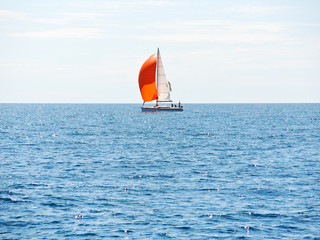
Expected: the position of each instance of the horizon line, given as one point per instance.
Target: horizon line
(150, 103)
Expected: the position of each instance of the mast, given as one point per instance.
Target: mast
(157, 72)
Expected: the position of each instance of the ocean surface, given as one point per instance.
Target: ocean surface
(214, 171)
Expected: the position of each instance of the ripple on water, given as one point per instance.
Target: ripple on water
(109, 171)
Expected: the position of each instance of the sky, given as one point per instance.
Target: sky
(213, 51)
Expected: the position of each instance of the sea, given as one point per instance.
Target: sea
(110, 171)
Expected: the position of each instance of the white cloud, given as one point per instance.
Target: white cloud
(67, 17)
(255, 9)
(81, 33)
(213, 37)
(12, 15)
(258, 26)
(53, 18)
(122, 4)
(212, 30)
(309, 24)
(223, 24)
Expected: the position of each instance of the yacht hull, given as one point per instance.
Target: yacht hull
(158, 109)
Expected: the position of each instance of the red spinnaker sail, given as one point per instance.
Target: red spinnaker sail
(147, 79)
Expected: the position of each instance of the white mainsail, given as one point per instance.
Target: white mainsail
(163, 87)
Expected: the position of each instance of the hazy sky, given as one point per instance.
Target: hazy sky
(213, 51)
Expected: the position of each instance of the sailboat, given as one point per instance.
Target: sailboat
(154, 85)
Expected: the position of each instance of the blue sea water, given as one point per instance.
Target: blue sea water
(214, 171)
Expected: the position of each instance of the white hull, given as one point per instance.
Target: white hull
(161, 108)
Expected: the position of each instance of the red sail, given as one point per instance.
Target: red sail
(147, 79)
